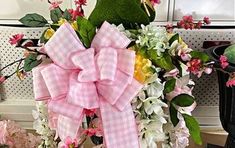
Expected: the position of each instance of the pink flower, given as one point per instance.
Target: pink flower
(2, 79)
(154, 2)
(206, 20)
(223, 61)
(89, 112)
(208, 70)
(55, 4)
(172, 73)
(194, 66)
(80, 2)
(169, 27)
(185, 56)
(69, 143)
(198, 25)
(230, 83)
(15, 39)
(180, 88)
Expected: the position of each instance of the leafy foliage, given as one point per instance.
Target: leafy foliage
(170, 85)
(56, 14)
(200, 55)
(31, 61)
(193, 127)
(86, 31)
(173, 115)
(174, 38)
(33, 20)
(183, 100)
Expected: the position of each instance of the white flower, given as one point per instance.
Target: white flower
(153, 37)
(153, 104)
(155, 89)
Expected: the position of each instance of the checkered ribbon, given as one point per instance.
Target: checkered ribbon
(98, 77)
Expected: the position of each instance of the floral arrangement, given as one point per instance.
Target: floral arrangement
(13, 136)
(128, 79)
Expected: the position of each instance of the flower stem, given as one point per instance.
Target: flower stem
(8, 76)
(20, 60)
(31, 50)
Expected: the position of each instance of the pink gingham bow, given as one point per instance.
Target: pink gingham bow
(98, 77)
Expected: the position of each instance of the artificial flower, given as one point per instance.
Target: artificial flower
(89, 112)
(90, 131)
(223, 61)
(194, 66)
(49, 33)
(80, 2)
(155, 89)
(15, 39)
(180, 133)
(180, 87)
(142, 68)
(154, 2)
(21, 75)
(173, 73)
(208, 70)
(2, 79)
(231, 82)
(153, 104)
(61, 21)
(69, 143)
(55, 4)
(153, 37)
(74, 25)
(206, 20)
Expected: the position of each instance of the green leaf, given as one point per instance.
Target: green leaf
(174, 38)
(173, 115)
(33, 20)
(126, 12)
(200, 55)
(193, 128)
(164, 62)
(67, 15)
(170, 85)
(31, 61)
(86, 31)
(183, 100)
(56, 14)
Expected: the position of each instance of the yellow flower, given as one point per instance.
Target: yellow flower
(142, 68)
(61, 21)
(48, 34)
(74, 25)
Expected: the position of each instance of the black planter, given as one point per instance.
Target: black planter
(227, 95)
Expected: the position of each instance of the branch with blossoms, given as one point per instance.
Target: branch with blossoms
(188, 22)
(32, 57)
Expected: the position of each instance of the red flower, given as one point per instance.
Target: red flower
(76, 13)
(206, 20)
(89, 112)
(80, 2)
(223, 61)
(15, 39)
(194, 66)
(2, 79)
(169, 27)
(198, 25)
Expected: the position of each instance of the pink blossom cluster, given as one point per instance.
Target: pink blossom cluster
(154, 2)
(78, 11)
(187, 22)
(14, 136)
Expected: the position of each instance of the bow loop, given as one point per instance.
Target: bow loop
(107, 63)
(109, 36)
(55, 47)
(86, 62)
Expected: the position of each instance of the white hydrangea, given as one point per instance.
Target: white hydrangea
(153, 37)
(41, 125)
